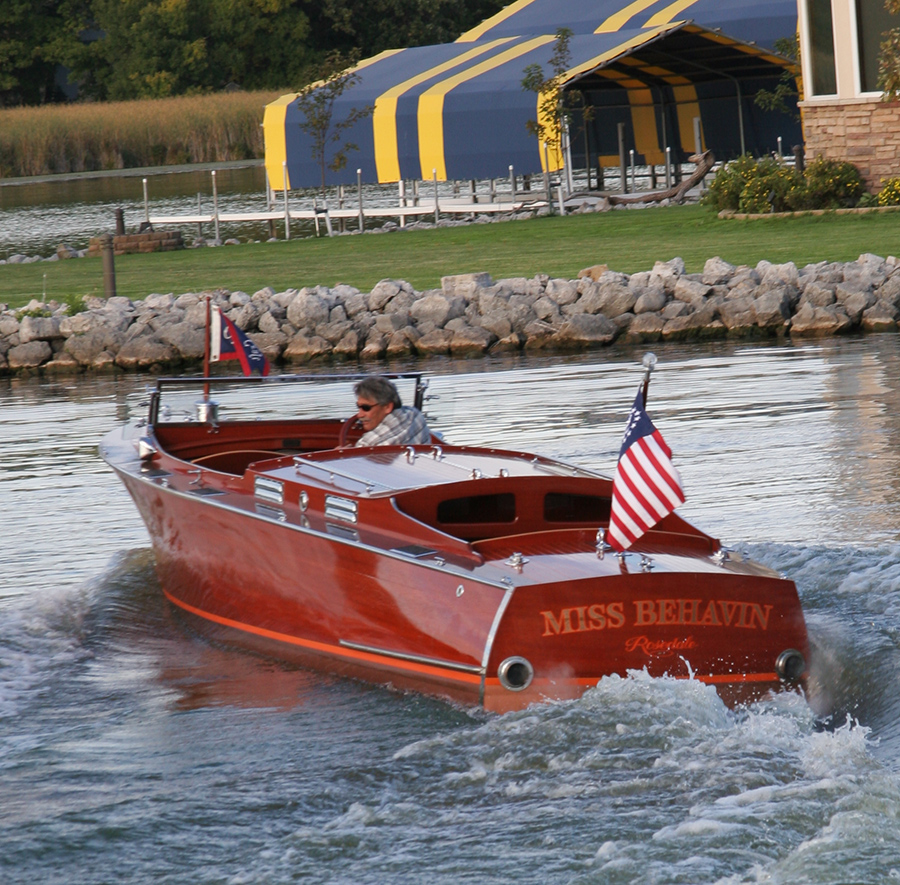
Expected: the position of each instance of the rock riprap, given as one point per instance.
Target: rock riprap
(470, 314)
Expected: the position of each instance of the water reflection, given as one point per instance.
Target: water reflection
(776, 443)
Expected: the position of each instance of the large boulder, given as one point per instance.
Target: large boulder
(29, 355)
(87, 346)
(434, 309)
(307, 310)
(465, 285)
(470, 340)
(697, 324)
(585, 331)
(773, 307)
(819, 322)
(145, 352)
(717, 272)
(383, 292)
(881, 317)
(738, 313)
(302, 349)
(646, 327)
(561, 292)
(39, 329)
(436, 341)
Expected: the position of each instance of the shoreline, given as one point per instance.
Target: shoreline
(470, 315)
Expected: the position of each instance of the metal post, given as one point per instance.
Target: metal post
(631, 162)
(547, 177)
(493, 186)
(512, 183)
(780, 152)
(215, 204)
(622, 171)
(401, 196)
(287, 214)
(562, 202)
(146, 204)
(109, 268)
(668, 168)
(341, 206)
(437, 211)
(199, 212)
(328, 226)
(359, 194)
(567, 157)
(587, 154)
(120, 222)
(698, 137)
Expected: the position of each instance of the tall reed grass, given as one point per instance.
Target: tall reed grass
(128, 134)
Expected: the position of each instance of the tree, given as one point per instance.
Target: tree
(371, 26)
(316, 102)
(783, 98)
(556, 104)
(35, 36)
(157, 48)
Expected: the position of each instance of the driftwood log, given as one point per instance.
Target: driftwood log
(676, 194)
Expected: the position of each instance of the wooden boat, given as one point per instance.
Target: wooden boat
(476, 574)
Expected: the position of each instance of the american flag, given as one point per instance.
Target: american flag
(646, 486)
(228, 342)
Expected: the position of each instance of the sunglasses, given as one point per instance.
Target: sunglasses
(366, 407)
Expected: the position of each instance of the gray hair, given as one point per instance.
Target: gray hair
(379, 390)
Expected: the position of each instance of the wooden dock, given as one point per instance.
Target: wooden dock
(416, 206)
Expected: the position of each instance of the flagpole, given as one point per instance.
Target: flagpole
(206, 353)
(649, 362)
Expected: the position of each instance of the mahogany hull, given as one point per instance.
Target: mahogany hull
(332, 604)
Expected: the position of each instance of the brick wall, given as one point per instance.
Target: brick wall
(152, 241)
(864, 131)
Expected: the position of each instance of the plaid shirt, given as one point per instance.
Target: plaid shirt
(405, 426)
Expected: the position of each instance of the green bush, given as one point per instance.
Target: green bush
(749, 185)
(889, 195)
(831, 184)
(767, 185)
(724, 191)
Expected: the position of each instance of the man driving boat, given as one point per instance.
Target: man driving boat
(384, 418)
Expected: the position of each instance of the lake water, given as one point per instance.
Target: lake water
(37, 215)
(132, 750)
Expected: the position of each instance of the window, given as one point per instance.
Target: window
(564, 507)
(821, 45)
(478, 509)
(872, 20)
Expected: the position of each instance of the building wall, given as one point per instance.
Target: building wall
(865, 131)
(851, 123)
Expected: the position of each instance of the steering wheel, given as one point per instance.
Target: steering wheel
(345, 430)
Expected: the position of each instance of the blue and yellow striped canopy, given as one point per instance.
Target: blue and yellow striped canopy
(459, 110)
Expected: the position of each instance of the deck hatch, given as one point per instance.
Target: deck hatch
(206, 492)
(416, 551)
(340, 508)
(268, 489)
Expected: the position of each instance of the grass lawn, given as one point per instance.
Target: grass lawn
(626, 240)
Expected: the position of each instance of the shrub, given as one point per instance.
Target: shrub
(725, 189)
(766, 185)
(749, 185)
(889, 195)
(832, 184)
